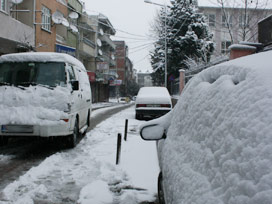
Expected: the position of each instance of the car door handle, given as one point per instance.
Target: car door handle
(88, 100)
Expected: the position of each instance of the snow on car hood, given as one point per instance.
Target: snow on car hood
(32, 105)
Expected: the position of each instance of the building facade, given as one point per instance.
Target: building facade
(123, 68)
(233, 25)
(144, 79)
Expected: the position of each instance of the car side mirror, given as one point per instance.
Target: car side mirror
(75, 85)
(153, 132)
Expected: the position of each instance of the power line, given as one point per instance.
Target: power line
(143, 48)
(86, 15)
(142, 59)
(139, 46)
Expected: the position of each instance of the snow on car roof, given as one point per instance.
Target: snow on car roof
(153, 91)
(41, 57)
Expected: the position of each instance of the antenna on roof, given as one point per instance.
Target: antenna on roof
(74, 28)
(57, 17)
(73, 15)
(99, 43)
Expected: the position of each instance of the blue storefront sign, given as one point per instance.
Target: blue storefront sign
(65, 49)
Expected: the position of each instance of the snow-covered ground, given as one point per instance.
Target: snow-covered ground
(88, 174)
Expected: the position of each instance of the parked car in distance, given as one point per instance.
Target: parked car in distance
(215, 146)
(123, 100)
(152, 102)
(43, 95)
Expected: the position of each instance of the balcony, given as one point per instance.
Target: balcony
(106, 40)
(76, 4)
(14, 31)
(87, 47)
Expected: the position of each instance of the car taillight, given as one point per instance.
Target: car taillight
(140, 105)
(165, 105)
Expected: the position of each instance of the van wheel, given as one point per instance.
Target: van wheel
(88, 119)
(72, 139)
(3, 141)
(160, 189)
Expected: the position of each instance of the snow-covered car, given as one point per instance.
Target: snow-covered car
(44, 95)
(152, 102)
(217, 142)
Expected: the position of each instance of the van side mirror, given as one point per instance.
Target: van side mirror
(75, 85)
(153, 132)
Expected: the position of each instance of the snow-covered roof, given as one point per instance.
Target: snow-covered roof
(241, 47)
(41, 57)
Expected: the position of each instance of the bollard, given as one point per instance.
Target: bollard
(118, 152)
(126, 126)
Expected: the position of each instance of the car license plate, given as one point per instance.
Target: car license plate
(17, 128)
(153, 105)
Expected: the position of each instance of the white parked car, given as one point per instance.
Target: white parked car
(215, 146)
(44, 95)
(152, 102)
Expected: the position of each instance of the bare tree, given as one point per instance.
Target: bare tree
(241, 17)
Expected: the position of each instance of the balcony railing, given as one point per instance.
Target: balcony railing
(89, 42)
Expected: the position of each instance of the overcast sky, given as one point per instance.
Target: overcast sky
(134, 17)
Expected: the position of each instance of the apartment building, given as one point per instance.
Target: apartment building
(233, 25)
(124, 68)
(144, 79)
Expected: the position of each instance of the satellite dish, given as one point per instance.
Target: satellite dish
(99, 43)
(65, 22)
(57, 17)
(74, 28)
(101, 31)
(17, 1)
(100, 52)
(73, 15)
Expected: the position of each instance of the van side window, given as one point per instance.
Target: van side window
(71, 73)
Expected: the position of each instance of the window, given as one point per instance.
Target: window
(226, 20)
(46, 18)
(71, 73)
(32, 73)
(243, 21)
(3, 5)
(211, 19)
(224, 46)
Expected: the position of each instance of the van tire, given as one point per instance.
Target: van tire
(160, 189)
(72, 139)
(88, 119)
(3, 140)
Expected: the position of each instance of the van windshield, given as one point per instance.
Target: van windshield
(32, 73)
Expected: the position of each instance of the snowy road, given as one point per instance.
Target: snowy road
(23, 153)
(87, 173)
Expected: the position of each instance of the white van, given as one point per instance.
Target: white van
(44, 95)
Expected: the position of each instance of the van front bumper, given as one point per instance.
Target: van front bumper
(60, 129)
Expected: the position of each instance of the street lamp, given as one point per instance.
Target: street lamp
(165, 40)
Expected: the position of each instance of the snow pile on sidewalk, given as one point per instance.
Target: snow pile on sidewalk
(32, 105)
(88, 174)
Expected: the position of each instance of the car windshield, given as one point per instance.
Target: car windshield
(32, 73)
